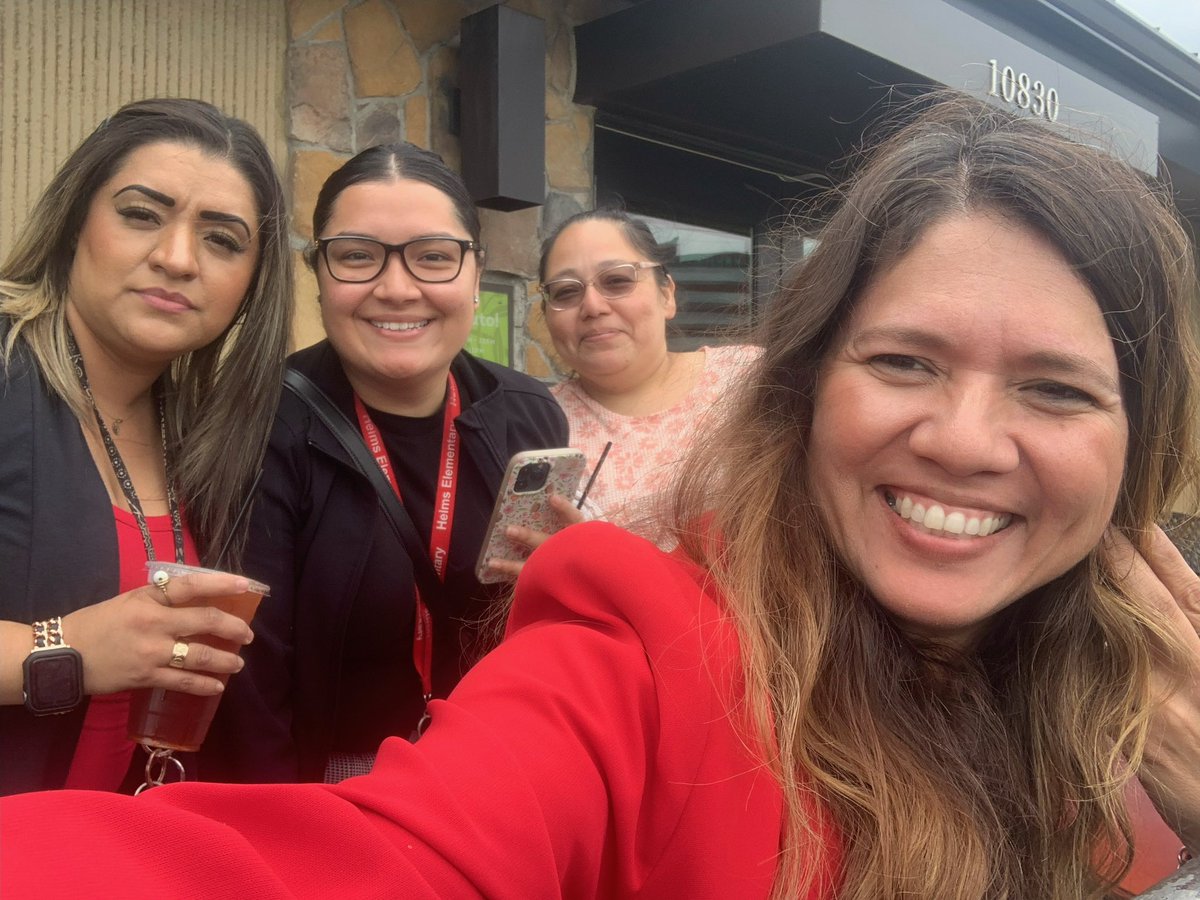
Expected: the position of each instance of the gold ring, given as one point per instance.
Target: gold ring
(178, 654)
(161, 578)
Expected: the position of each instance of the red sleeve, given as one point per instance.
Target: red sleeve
(593, 754)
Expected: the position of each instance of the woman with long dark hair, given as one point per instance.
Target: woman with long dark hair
(144, 317)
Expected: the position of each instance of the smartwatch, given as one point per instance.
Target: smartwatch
(53, 672)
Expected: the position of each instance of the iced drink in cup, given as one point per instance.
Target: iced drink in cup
(174, 720)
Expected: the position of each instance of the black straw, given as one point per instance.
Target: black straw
(595, 472)
(237, 522)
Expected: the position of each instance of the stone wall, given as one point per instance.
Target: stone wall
(363, 72)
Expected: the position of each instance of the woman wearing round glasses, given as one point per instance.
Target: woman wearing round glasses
(607, 296)
(363, 626)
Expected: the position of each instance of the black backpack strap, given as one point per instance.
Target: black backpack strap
(348, 436)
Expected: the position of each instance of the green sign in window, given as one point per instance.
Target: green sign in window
(490, 335)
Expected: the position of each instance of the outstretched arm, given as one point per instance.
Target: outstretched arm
(589, 755)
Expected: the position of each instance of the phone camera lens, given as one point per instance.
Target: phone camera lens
(532, 477)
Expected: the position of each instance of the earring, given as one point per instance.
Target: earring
(476, 299)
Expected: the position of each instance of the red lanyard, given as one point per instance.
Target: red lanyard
(443, 517)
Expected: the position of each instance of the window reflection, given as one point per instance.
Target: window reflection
(712, 270)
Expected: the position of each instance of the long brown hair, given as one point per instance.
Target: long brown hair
(996, 773)
(221, 398)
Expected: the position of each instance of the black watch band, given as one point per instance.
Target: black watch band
(53, 672)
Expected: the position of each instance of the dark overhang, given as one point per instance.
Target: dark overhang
(788, 85)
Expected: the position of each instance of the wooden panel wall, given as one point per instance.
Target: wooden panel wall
(66, 64)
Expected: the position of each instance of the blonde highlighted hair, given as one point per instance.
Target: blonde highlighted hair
(221, 398)
(997, 773)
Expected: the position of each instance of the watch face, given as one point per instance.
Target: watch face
(53, 680)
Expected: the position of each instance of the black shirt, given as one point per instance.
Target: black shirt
(331, 668)
(380, 625)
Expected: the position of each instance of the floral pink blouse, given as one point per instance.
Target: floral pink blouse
(646, 449)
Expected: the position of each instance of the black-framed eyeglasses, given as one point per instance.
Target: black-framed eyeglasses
(358, 259)
(612, 283)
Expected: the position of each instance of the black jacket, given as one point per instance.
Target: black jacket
(58, 552)
(338, 622)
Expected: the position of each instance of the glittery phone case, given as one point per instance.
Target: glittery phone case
(528, 505)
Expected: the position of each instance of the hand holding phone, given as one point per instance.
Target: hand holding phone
(532, 477)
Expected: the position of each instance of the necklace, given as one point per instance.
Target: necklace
(118, 464)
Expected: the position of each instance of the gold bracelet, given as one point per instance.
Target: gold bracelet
(48, 634)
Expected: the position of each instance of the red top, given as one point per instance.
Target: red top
(1155, 847)
(102, 755)
(595, 753)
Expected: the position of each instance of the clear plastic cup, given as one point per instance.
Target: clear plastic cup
(174, 720)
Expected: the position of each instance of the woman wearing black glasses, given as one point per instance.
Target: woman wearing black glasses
(363, 625)
(607, 297)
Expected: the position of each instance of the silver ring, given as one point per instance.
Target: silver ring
(179, 654)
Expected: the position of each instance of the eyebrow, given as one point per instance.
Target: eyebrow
(1054, 361)
(208, 215)
(435, 236)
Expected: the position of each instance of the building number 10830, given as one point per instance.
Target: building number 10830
(1018, 89)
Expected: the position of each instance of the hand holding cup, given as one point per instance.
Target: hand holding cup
(126, 642)
(173, 717)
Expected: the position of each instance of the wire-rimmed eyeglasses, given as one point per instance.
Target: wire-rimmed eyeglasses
(431, 260)
(612, 283)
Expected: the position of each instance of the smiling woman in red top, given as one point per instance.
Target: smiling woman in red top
(133, 415)
(920, 632)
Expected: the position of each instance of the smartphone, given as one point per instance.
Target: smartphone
(524, 499)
